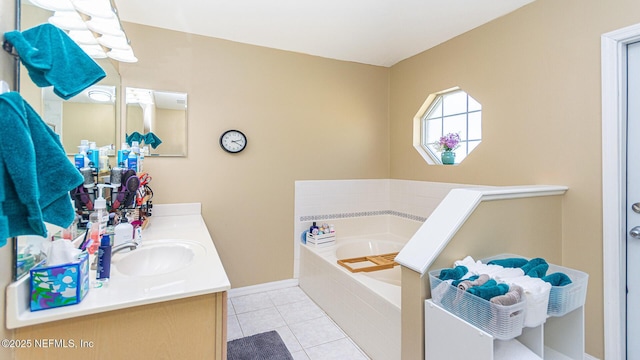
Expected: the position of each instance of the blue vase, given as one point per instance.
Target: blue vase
(448, 157)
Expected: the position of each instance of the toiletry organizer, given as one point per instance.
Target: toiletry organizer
(321, 240)
(59, 285)
(502, 322)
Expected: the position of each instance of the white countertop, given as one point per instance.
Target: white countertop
(205, 275)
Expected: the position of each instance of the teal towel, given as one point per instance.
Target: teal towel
(489, 289)
(557, 279)
(37, 175)
(149, 139)
(453, 274)
(532, 263)
(135, 136)
(538, 271)
(52, 58)
(509, 262)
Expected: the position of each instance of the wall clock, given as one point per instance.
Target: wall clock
(233, 141)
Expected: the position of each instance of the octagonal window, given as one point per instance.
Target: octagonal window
(449, 120)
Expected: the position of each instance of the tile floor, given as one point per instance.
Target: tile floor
(307, 331)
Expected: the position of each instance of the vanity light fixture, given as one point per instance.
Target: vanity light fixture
(99, 95)
(95, 18)
(54, 5)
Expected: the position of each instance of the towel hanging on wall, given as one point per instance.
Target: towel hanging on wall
(52, 58)
(35, 173)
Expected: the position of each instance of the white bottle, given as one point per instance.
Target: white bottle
(100, 208)
(123, 232)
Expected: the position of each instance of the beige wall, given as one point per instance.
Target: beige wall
(81, 119)
(537, 74)
(305, 118)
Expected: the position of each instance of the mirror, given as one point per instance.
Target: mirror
(74, 119)
(163, 113)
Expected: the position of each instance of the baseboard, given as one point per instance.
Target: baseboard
(589, 357)
(254, 289)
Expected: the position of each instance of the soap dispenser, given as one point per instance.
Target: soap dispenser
(99, 219)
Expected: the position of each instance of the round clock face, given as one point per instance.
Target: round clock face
(233, 141)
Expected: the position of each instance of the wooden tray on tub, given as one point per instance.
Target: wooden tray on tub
(380, 262)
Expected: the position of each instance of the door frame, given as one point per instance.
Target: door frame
(614, 118)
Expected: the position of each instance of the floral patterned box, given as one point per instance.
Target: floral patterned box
(60, 285)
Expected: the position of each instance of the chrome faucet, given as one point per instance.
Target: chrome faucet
(131, 245)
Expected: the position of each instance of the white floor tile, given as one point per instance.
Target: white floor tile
(342, 349)
(233, 328)
(306, 330)
(299, 311)
(300, 355)
(258, 321)
(289, 339)
(287, 295)
(316, 331)
(247, 303)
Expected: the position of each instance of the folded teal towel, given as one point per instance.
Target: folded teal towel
(557, 279)
(453, 274)
(489, 289)
(532, 263)
(52, 58)
(538, 271)
(149, 139)
(37, 175)
(509, 262)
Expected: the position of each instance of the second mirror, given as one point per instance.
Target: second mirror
(154, 115)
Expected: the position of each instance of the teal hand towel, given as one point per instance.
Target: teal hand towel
(453, 274)
(52, 58)
(135, 136)
(557, 279)
(37, 175)
(151, 139)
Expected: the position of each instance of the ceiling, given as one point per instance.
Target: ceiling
(376, 32)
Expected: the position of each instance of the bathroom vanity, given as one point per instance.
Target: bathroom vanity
(174, 308)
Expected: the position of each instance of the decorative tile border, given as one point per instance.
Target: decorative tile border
(363, 214)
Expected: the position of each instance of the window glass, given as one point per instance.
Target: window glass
(452, 113)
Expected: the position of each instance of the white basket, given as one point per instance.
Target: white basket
(564, 299)
(501, 322)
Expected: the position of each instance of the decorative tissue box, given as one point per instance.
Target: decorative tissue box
(60, 285)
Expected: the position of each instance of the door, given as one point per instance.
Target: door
(633, 201)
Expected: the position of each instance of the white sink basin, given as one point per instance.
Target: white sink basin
(157, 258)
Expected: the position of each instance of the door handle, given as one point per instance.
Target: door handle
(635, 232)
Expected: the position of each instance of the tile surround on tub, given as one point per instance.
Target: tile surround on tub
(335, 200)
(361, 214)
